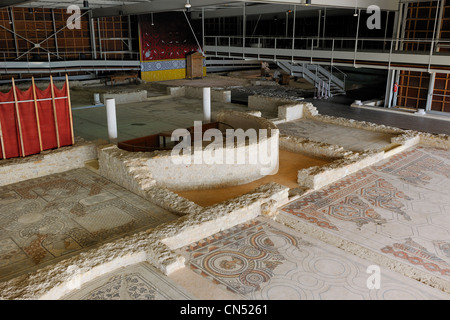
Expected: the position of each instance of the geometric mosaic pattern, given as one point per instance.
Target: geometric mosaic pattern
(418, 255)
(247, 256)
(165, 65)
(50, 218)
(353, 139)
(399, 207)
(354, 199)
(137, 282)
(413, 166)
(263, 260)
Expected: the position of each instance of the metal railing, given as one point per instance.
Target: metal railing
(327, 43)
(40, 56)
(284, 47)
(67, 61)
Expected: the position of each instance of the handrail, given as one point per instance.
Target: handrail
(402, 53)
(68, 55)
(420, 45)
(340, 71)
(335, 38)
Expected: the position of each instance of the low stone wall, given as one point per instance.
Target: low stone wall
(290, 112)
(47, 162)
(125, 96)
(312, 148)
(265, 103)
(347, 162)
(318, 177)
(435, 140)
(130, 170)
(198, 168)
(218, 95)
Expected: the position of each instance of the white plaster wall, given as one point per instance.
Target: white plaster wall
(203, 170)
(208, 173)
(290, 112)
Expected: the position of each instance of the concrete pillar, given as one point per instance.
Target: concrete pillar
(397, 79)
(111, 120)
(207, 104)
(97, 98)
(430, 91)
(389, 89)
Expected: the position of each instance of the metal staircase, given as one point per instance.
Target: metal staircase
(326, 82)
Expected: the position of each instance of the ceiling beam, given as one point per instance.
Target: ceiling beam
(156, 6)
(250, 10)
(12, 3)
(177, 5)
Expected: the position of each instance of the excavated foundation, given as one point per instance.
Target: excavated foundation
(306, 166)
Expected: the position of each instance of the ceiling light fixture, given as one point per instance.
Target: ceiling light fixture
(356, 8)
(307, 2)
(188, 6)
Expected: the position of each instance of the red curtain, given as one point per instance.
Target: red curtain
(8, 122)
(23, 140)
(28, 123)
(63, 114)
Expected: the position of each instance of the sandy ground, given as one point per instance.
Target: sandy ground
(289, 165)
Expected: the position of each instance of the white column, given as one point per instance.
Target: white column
(389, 89)
(207, 104)
(97, 98)
(430, 91)
(111, 120)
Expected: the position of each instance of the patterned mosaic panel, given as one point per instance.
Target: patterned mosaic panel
(53, 217)
(401, 200)
(350, 138)
(247, 255)
(417, 167)
(354, 199)
(136, 282)
(418, 255)
(163, 65)
(263, 260)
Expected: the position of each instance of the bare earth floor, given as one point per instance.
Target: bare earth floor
(286, 175)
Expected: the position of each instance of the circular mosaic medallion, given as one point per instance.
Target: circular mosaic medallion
(226, 263)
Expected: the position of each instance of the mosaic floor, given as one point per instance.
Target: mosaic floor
(258, 260)
(263, 260)
(47, 219)
(137, 282)
(399, 207)
(350, 138)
